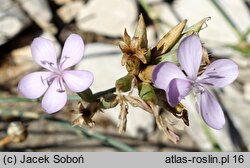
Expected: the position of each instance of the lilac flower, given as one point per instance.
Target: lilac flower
(177, 85)
(52, 82)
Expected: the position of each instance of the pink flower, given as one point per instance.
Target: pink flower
(52, 82)
(177, 85)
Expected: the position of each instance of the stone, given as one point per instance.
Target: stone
(240, 18)
(10, 26)
(20, 62)
(165, 14)
(12, 20)
(246, 90)
(244, 80)
(242, 61)
(39, 8)
(238, 111)
(61, 2)
(244, 76)
(68, 12)
(107, 17)
(104, 61)
(218, 30)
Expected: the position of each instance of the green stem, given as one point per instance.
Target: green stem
(103, 93)
(15, 99)
(85, 132)
(71, 98)
(227, 18)
(88, 96)
(21, 99)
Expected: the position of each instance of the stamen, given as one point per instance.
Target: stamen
(60, 90)
(198, 88)
(64, 58)
(44, 62)
(211, 73)
(206, 83)
(213, 76)
(52, 67)
(42, 80)
(48, 80)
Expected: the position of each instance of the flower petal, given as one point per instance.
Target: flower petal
(72, 51)
(55, 97)
(78, 81)
(44, 52)
(189, 55)
(34, 84)
(219, 73)
(178, 90)
(211, 111)
(164, 72)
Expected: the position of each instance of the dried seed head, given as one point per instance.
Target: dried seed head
(85, 114)
(169, 40)
(141, 33)
(17, 131)
(137, 47)
(133, 65)
(123, 114)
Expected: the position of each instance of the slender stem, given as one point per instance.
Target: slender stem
(105, 139)
(15, 99)
(85, 132)
(71, 98)
(88, 96)
(227, 18)
(21, 99)
(103, 93)
(5, 141)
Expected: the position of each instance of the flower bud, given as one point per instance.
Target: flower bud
(109, 101)
(146, 92)
(124, 84)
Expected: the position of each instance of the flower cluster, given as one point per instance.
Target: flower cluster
(162, 77)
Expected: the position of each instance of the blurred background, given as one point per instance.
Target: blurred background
(101, 23)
